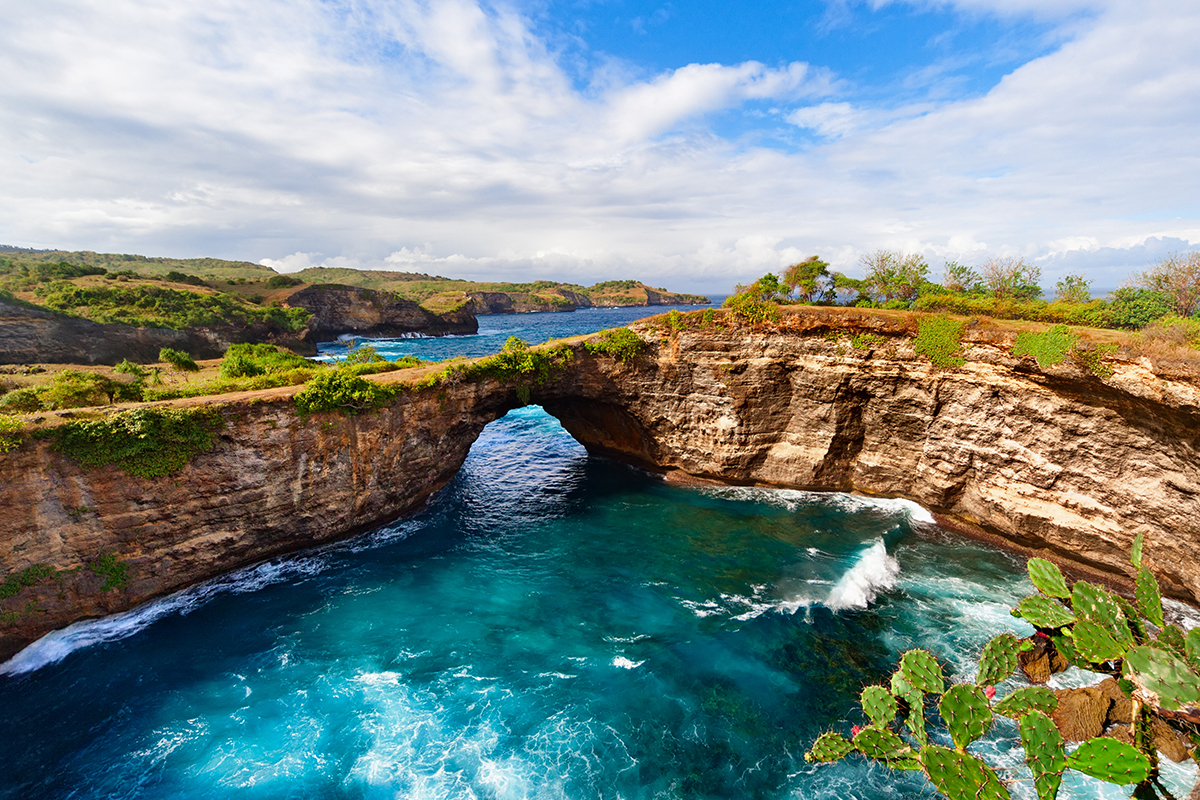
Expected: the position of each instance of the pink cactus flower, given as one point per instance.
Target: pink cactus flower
(855, 730)
(990, 692)
(1041, 635)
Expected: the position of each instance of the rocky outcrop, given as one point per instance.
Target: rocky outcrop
(526, 302)
(36, 335)
(1054, 462)
(338, 310)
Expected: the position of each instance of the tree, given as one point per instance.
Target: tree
(961, 279)
(1177, 275)
(811, 278)
(1073, 289)
(848, 291)
(1155, 664)
(895, 276)
(179, 360)
(1011, 277)
(1133, 308)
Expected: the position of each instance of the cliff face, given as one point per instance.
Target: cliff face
(33, 335)
(337, 310)
(1058, 461)
(525, 302)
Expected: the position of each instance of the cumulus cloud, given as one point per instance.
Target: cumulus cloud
(446, 137)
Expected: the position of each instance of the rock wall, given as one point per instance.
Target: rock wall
(338, 310)
(1056, 462)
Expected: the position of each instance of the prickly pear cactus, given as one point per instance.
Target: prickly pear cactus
(1099, 605)
(999, 659)
(1149, 598)
(829, 746)
(922, 671)
(1043, 612)
(1171, 639)
(961, 776)
(966, 712)
(1109, 760)
(882, 745)
(1095, 643)
(1024, 701)
(1048, 578)
(1043, 752)
(1158, 673)
(1066, 646)
(879, 705)
(915, 721)
(1192, 647)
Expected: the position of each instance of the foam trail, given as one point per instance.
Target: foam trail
(874, 572)
(57, 645)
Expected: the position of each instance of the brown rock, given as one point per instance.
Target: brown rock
(1122, 733)
(1168, 742)
(1121, 710)
(1042, 661)
(1081, 713)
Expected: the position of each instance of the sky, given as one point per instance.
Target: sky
(691, 145)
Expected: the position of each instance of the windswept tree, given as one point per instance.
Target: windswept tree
(961, 279)
(1073, 289)
(811, 279)
(895, 276)
(1011, 277)
(1177, 276)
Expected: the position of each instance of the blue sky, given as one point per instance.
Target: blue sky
(692, 145)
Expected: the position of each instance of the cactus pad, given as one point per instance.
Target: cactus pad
(1066, 646)
(829, 746)
(998, 660)
(903, 690)
(915, 721)
(1149, 599)
(1170, 638)
(966, 712)
(1048, 578)
(1161, 673)
(1101, 607)
(1095, 643)
(960, 776)
(881, 744)
(879, 705)
(1193, 648)
(1024, 701)
(922, 671)
(1043, 752)
(1133, 617)
(1044, 612)
(1135, 553)
(1109, 760)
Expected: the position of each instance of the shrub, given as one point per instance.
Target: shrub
(865, 341)
(752, 308)
(621, 344)
(249, 360)
(363, 354)
(127, 367)
(1091, 358)
(1177, 277)
(10, 433)
(341, 390)
(114, 571)
(1176, 330)
(146, 442)
(1049, 347)
(21, 401)
(73, 388)
(30, 576)
(178, 359)
(1073, 289)
(282, 282)
(940, 339)
(1132, 308)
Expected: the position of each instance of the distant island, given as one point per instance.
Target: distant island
(101, 308)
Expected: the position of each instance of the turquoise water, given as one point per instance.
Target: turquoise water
(550, 626)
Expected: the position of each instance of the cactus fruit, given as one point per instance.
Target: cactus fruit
(879, 705)
(1043, 612)
(1043, 752)
(881, 744)
(1109, 760)
(966, 712)
(1101, 607)
(1024, 701)
(829, 746)
(960, 776)
(998, 660)
(1149, 599)
(1094, 643)
(1048, 578)
(1162, 674)
(922, 670)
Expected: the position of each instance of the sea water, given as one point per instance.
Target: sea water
(550, 625)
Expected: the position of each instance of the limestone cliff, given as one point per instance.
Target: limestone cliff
(1055, 461)
(338, 310)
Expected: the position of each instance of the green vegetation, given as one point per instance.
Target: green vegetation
(114, 571)
(342, 390)
(283, 282)
(621, 344)
(866, 341)
(250, 360)
(940, 339)
(178, 360)
(10, 433)
(1177, 278)
(146, 442)
(1049, 347)
(757, 303)
(30, 576)
(1156, 664)
(16, 276)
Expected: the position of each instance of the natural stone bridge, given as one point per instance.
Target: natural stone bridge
(1054, 461)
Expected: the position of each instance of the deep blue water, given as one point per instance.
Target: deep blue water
(551, 625)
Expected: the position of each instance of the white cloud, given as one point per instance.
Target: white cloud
(445, 137)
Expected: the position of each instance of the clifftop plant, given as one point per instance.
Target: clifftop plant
(1155, 662)
(940, 339)
(146, 442)
(1177, 277)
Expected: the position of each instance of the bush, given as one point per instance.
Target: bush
(178, 359)
(114, 571)
(1175, 330)
(72, 388)
(1091, 358)
(30, 576)
(127, 367)
(940, 339)
(621, 344)
(1049, 347)
(341, 390)
(282, 282)
(10, 433)
(752, 308)
(1132, 308)
(21, 401)
(250, 360)
(146, 442)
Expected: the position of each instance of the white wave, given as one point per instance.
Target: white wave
(792, 499)
(625, 663)
(875, 571)
(57, 645)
